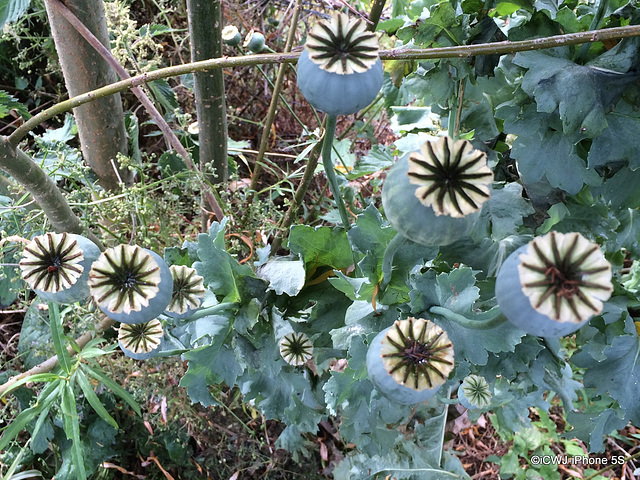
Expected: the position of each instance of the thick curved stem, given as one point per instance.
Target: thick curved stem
(462, 51)
(327, 147)
(494, 318)
(387, 259)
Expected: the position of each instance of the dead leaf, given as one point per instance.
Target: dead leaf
(148, 425)
(121, 470)
(154, 459)
(163, 409)
(324, 453)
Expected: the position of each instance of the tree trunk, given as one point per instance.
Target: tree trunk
(100, 123)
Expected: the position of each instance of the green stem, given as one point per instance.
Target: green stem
(327, 147)
(443, 427)
(282, 98)
(371, 117)
(387, 259)
(205, 24)
(221, 307)
(233, 414)
(611, 467)
(374, 15)
(273, 106)
(52, 362)
(597, 18)
(460, 51)
(450, 118)
(360, 116)
(57, 336)
(494, 318)
(447, 401)
(460, 99)
(296, 201)
(169, 24)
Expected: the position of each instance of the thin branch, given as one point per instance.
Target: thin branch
(502, 48)
(51, 363)
(148, 105)
(611, 466)
(462, 51)
(271, 113)
(296, 201)
(21, 132)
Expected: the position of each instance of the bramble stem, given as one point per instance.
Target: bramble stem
(327, 147)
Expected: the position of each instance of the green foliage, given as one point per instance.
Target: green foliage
(9, 102)
(614, 372)
(320, 246)
(35, 338)
(56, 413)
(581, 94)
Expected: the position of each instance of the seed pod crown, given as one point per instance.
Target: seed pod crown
(565, 276)
(452, 176)
(342, 46)
(417, 353)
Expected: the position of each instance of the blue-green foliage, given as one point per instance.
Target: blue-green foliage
(575, 149)
(560, 128)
